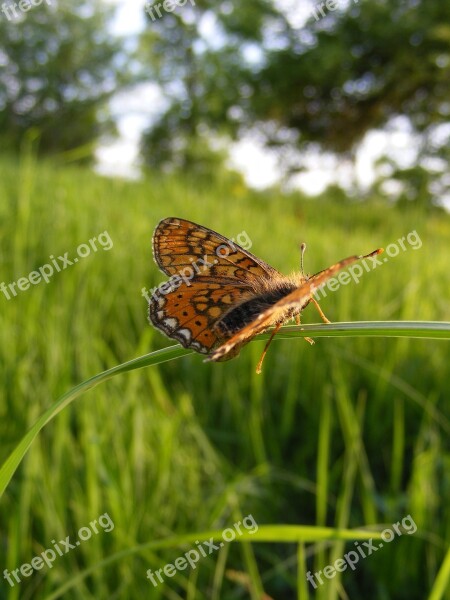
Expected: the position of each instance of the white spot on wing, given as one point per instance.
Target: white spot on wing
(199, 348)
(186, 334)
(170, 323)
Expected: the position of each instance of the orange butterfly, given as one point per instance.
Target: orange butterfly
(219, 296)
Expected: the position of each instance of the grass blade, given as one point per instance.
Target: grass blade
(411, 329)
(12, 462)
(265, 533)
(442, 580)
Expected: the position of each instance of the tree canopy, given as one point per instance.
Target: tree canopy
(229, 67)
(59, 66)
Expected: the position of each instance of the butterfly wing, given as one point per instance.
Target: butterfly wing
(187, 313)
(209, 274)
(181, 246)
(282, 310)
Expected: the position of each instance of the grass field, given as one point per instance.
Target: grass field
(348, 433)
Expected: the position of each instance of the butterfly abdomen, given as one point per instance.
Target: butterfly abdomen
(246, 312)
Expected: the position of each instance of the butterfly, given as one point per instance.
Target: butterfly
(220, 296)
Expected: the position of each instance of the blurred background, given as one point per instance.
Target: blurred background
(327, 123)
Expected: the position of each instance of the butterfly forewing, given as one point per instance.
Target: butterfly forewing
(179, 244)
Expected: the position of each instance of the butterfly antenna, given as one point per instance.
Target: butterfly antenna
(302, 250)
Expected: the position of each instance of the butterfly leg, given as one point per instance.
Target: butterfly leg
(307, 339)
(274, 332)
(319, 310)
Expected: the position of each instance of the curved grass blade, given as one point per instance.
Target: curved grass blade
(154, 358)
(411, 329)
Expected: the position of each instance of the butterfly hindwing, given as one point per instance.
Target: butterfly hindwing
(187, 313)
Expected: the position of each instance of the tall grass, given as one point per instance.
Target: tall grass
(349, 433)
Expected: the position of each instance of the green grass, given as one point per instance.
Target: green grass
(350, 433)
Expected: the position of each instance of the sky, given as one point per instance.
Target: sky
(135, 110)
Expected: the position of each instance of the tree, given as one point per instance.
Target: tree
(59, 66)
(358, 69)
(198, 84)
(323, 84)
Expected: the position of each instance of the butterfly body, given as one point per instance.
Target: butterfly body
(219, 295)
(261, 299)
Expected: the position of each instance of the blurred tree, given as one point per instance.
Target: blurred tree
(424, 183)
(355, 70)
(229, 67)
(58, 67)
(199, 82)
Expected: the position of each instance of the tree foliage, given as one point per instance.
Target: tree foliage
(358, 69)
(58, 67)
(230, 67)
